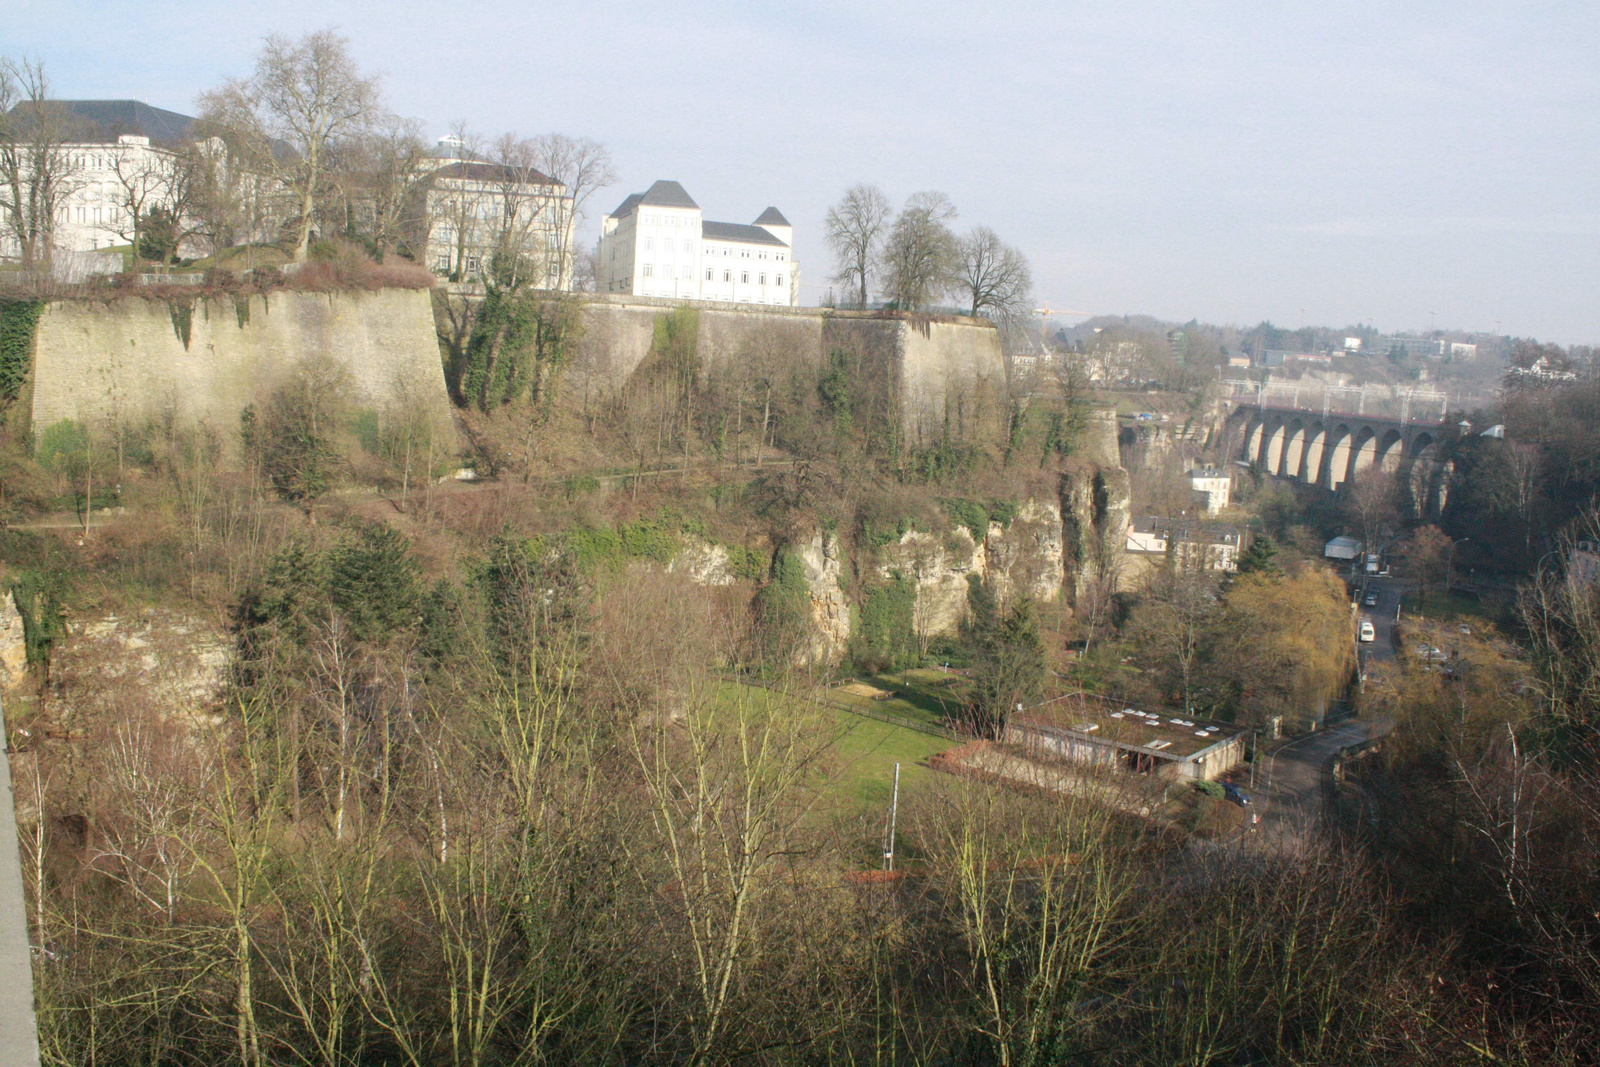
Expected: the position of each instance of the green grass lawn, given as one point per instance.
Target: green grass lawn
(868, 751)
(924, 694)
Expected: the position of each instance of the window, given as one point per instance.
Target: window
(744, 253)
(649, 243)
(763, 277)
(761, 255)
(666, 244)
(778, 281)
(779, 257)
(744, 276)
(648, 270)
(709, 272)
(727, 275)
(689, 248)
(472, 264)
(443, 264)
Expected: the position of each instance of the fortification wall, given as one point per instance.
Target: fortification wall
(922, 367)
(127, 359)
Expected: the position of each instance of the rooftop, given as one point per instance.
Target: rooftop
(771, 217)
(1187, 529)
(494, 172)
(661, 194)
(103, 121)
(738, 231)
(1164, 734)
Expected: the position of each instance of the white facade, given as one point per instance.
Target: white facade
(657, 243)
(1211, 487)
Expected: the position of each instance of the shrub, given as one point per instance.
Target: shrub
(1209, 788)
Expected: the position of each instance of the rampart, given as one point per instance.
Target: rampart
(927, 369)
(129, 359)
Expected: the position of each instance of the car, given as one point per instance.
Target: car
(1372, 599)
(1429, 652)
(1235, 794)
(1368, 633)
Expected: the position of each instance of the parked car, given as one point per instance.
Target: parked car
(1372, 599)
(1367, 631)
(1235, 794)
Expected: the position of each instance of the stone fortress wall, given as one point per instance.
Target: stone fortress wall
(928, 367)
(129, 359)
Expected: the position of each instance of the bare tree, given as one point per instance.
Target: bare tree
(144, 182)
(37, 173)
(854, 230)
(384, 168)
(921, 257)
(289, 116)
(581, 167)
(1373, 503)
(995, 278)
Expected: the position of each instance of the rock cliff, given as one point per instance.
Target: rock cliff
(830, 611)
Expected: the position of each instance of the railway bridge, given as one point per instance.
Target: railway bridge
(1330, 449)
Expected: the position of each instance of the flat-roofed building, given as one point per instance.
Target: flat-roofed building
(1089, 730)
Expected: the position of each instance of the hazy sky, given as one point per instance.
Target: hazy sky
(1391, 163)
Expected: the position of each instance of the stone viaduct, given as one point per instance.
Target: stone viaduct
(1329, 449)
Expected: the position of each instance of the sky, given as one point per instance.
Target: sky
(1399, 164)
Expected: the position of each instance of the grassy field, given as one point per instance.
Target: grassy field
(924, 694)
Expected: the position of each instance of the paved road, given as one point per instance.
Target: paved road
(1288, 793)
(1381, 615)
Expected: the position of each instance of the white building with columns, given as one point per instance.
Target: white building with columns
(657, 243)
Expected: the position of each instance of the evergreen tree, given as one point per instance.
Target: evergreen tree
(372, 580)
(1007, 659)
(1260, 558)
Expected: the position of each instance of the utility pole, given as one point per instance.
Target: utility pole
(894, 808)
(1255, 756)
(19, 1035)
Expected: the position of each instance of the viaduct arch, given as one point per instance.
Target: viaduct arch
(1331, 449)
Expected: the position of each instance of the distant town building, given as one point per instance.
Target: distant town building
(1188, 544)
(1211, 487)
(1239, 361)
(1352, 344)
(472, 207)
(1542, 369)
(657, 243)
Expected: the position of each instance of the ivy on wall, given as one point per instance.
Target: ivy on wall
(18, 320)
(515, 341)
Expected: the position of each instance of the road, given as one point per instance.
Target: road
(1381, 615)
(1288, 793)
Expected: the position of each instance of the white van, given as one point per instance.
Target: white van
(1367, 632)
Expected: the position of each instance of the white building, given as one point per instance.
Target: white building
(121, 155)
(656, 243)
(1211, 487)
(1188, 544)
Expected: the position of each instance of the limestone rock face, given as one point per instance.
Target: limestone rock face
(702, 562)
(172, 664)
(13, 644)
(939, 567)
(1025, 558)
(830, 612)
